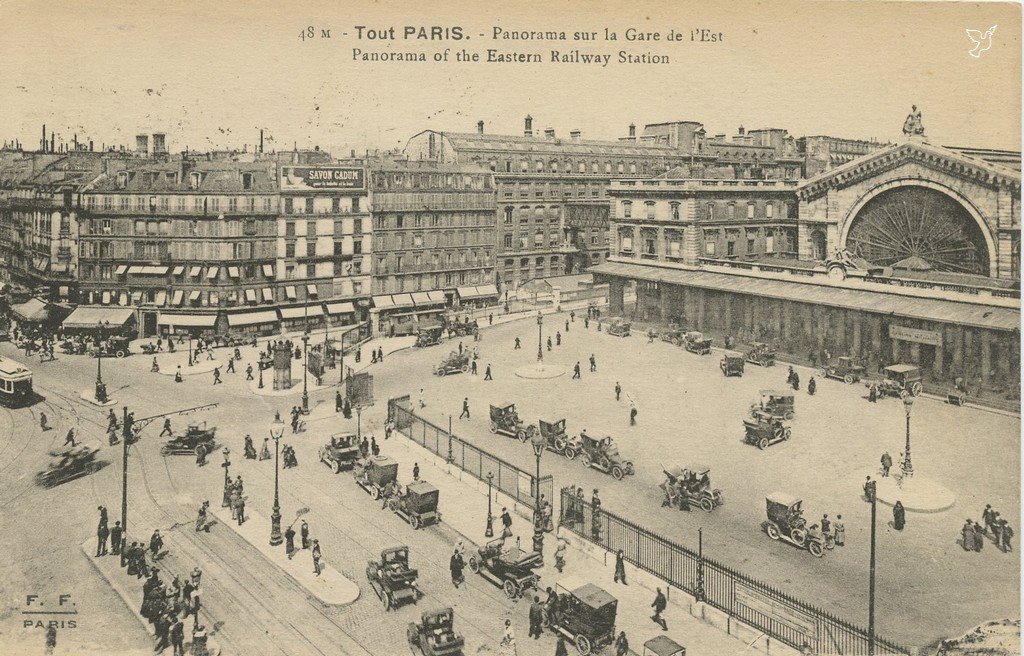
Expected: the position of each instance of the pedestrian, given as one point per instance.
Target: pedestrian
(289, 542)
(422, 404)
(374, 449)
(659, 606)
(248, 372)
(560, 555)
(620, 567)
(886, 464)
(231, 365)
(839, 531)
(487, 372)
(304, 534)
(576, 370)
(42, 422)
(826, 524)
(115, 539)
(621, 645)
(416, 471)
(536, 615)
(490, 319)
(873, 393)
(1005, 535)
(216, 376)
(178, 637)
(154, 368)
(796, 381)
(455, 566)
(869, 489)
(561, 649)
(586, 322)
(465, 408)
(338, 402)
(156, 543)
(389, 427)
(177, 374)
(506, 523)
(632, 415)
(899, 516)
(518, 345)
(380, 349)
(507, 647)
(70, 437)
(265, 450)
(167, 428)
(472, 367)
(593, 362)
(163, 628)
(196, 577)
(558, 337)
(967, 534)
(549, 342)
(201, 517)
(346, 409)
(812, 387)
(241, 510)
(618, 390)
(988, 517)
(317, 556)
(102, 532)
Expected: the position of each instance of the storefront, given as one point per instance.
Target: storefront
(37, 313)
(298, 318)
(429, 305)
(341, 313)
(480, 296)
(180, 323)
(259, 322)
(90, 319)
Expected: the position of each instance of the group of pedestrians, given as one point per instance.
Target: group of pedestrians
(991, 526)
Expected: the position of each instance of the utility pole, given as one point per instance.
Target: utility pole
(126, 432)
(871, 582)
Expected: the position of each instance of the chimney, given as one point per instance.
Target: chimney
(159, 143)
(142, 143)
(261, 141)
(549, 133)
(53, 142)
(575, 135)
(479, 127)
(632, 131)
(742, 131)
(43, 142)
(528, 126)
(90, 145)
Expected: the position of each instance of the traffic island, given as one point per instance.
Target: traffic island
(916, 493)
(330, 587)
(89, 396)
(540, 371)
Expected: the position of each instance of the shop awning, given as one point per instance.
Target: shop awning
(382, 302)
(90, 317)
(487, 290)
(32, 310)
(212, 272)
(193, 296)
(195, 272)
(121, 269)
(233, 271)
(147, 270)
(161, 298)
(187, 320)
(268, 270)
(289, 291)
(268, 295)
(421, 298)
(340, 308)
(135, 270)
(178, 297)
(311, 289)
(106, 298)
(178, 270)
(301, 312)
(252, 318)
(250, 295)
(466, 292)
(437, 297)
(403, 300)
(123, 299)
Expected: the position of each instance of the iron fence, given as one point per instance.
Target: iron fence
(513, 481)
(759, 605)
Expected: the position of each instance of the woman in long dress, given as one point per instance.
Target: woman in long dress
(899, 516)
(508, 641)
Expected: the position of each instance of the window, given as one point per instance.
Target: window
(247, 181)
(674, 247)
(730, 247)
(539, 166)
(289, 205)
(249, 227)
(417, 241)
(310, 270)
(524, 242)
(769, 210)
(538, 238)
(289, 229)
(508, 241)
(709, 247)
(732, 211)
(289, 249)
(311, 229)
(620, 168)
(632, 168)
(122, 179)
(675, 211)
(769, 243)
(508, 214)
(398, 263)
(627, 209)
(750, 210)
(233, 205)
(215, 205)
(625, 242)
(140, 227)
(399, 221)
(711, 210)
(357, 226)
(355, 203)
(310, 249)
(649, 209)
(607, 167)
(123, 202)
(750, 244)
(650, 246)
(267, 204)
(357, 246)
(309, 205)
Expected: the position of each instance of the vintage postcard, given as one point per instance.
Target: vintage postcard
(519, 328)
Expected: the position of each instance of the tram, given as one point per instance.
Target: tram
(15, 384)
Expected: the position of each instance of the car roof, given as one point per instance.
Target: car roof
(697, 468)
(901, 368)
(392, 550)
(662, 645)
(501, 405)
(776, 392)
(593, 596)
(674, 472)
(782, 498)
(553, 421)
(382, 459)
(421, 487)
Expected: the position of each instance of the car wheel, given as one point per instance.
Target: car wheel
(521, 434)
(799, 536)
(414, 521)
(617, 473)
(392, 505)
(762, 443)
(120, 354)
(570, 452)
(386, 600)
(773, 531)
(375, 493)
(916, 388)
(585, 459)
(337, 467)
(474, 566)
(788, 416)
(815, 548)
(583, 645)
(465, 368)
(164, 450)
(511, 591)
(494, 427)
(848, 379)
(707, 505)
(787, 433)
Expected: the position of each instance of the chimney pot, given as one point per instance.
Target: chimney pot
(742, 131)
(480, 127)
(142, 143)
(575, 135)
(549, 133)
(528, 126)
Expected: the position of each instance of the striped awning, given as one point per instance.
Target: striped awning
(340, 308)
(90, 317)
(268, 295)
(302, 312)
(135, 270)
(403, 300)
(187, 320)
(289, 291)
(195, 271)
(121, 269)
(252, 318)
(437, 296)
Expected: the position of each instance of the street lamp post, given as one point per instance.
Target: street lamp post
(101, 388)
(489, 531)
(227, 478)
(190, 358)
(305, 371)
(540, 336)
(873, 498)
(276, 431)
(908, 403)
(260, 365)
(538, 522)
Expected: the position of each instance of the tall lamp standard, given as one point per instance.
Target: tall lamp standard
(538, 443)
(227, 478)
(305, 371)
(489, 531)
(540, 336)
(873, 498)
(101, 388)
(908, 404)
(262, 361)
(276, 431)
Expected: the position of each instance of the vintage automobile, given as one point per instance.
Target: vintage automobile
(453, 364)
(731, 365)
(505, 420)
(845, 369)
(786, 522)
(112, 346)
(693, 484)
(342, 452)
(586, 615)
(696, 342)
(673, 336)
(763, 430)
(458, 328)
(662, 645)
(196, 437)
(417, 504)
(74, 347)
(430, 336)
(900, 379)
(68, 465)
(619, 327)
(375, 474)
(777, 403)
(557, 440)
(435, 634)
(392, 578)
(761, 354)
(843, 264)
(511, 570)
(602, 454)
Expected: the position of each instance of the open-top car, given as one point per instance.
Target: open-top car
(392, 578)
(511, 569)
(417, 504)
(845, 369)
(430, 336)
(196, 437)
(692, 484)
(557, 440)
(619, 327)
(341, 452)
(453, 364)
(696, 342)
(673, 336)
(602, 454)
(777, 403)
(761, 354)
(786, 522)
(67, 465)
(900, 379)
(586, 615)
(731, 365)
(112, 346)
(375, 474)
(763, 430)
(505, 420)
(435, 634)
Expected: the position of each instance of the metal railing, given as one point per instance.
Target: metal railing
(759, 605)
(476, 462)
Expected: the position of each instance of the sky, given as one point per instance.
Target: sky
(211, 75)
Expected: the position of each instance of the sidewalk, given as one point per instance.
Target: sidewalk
(698, 627)
(169, 363)
(330, 587)
(129, 588)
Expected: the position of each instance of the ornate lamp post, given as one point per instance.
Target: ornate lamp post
(101, 388)
(261, 362)
(227, 478)
(190, 358)
(540, 336)
(489, 531)
(276, 431)
(305, 371)
(538, 521)
(908, 404)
